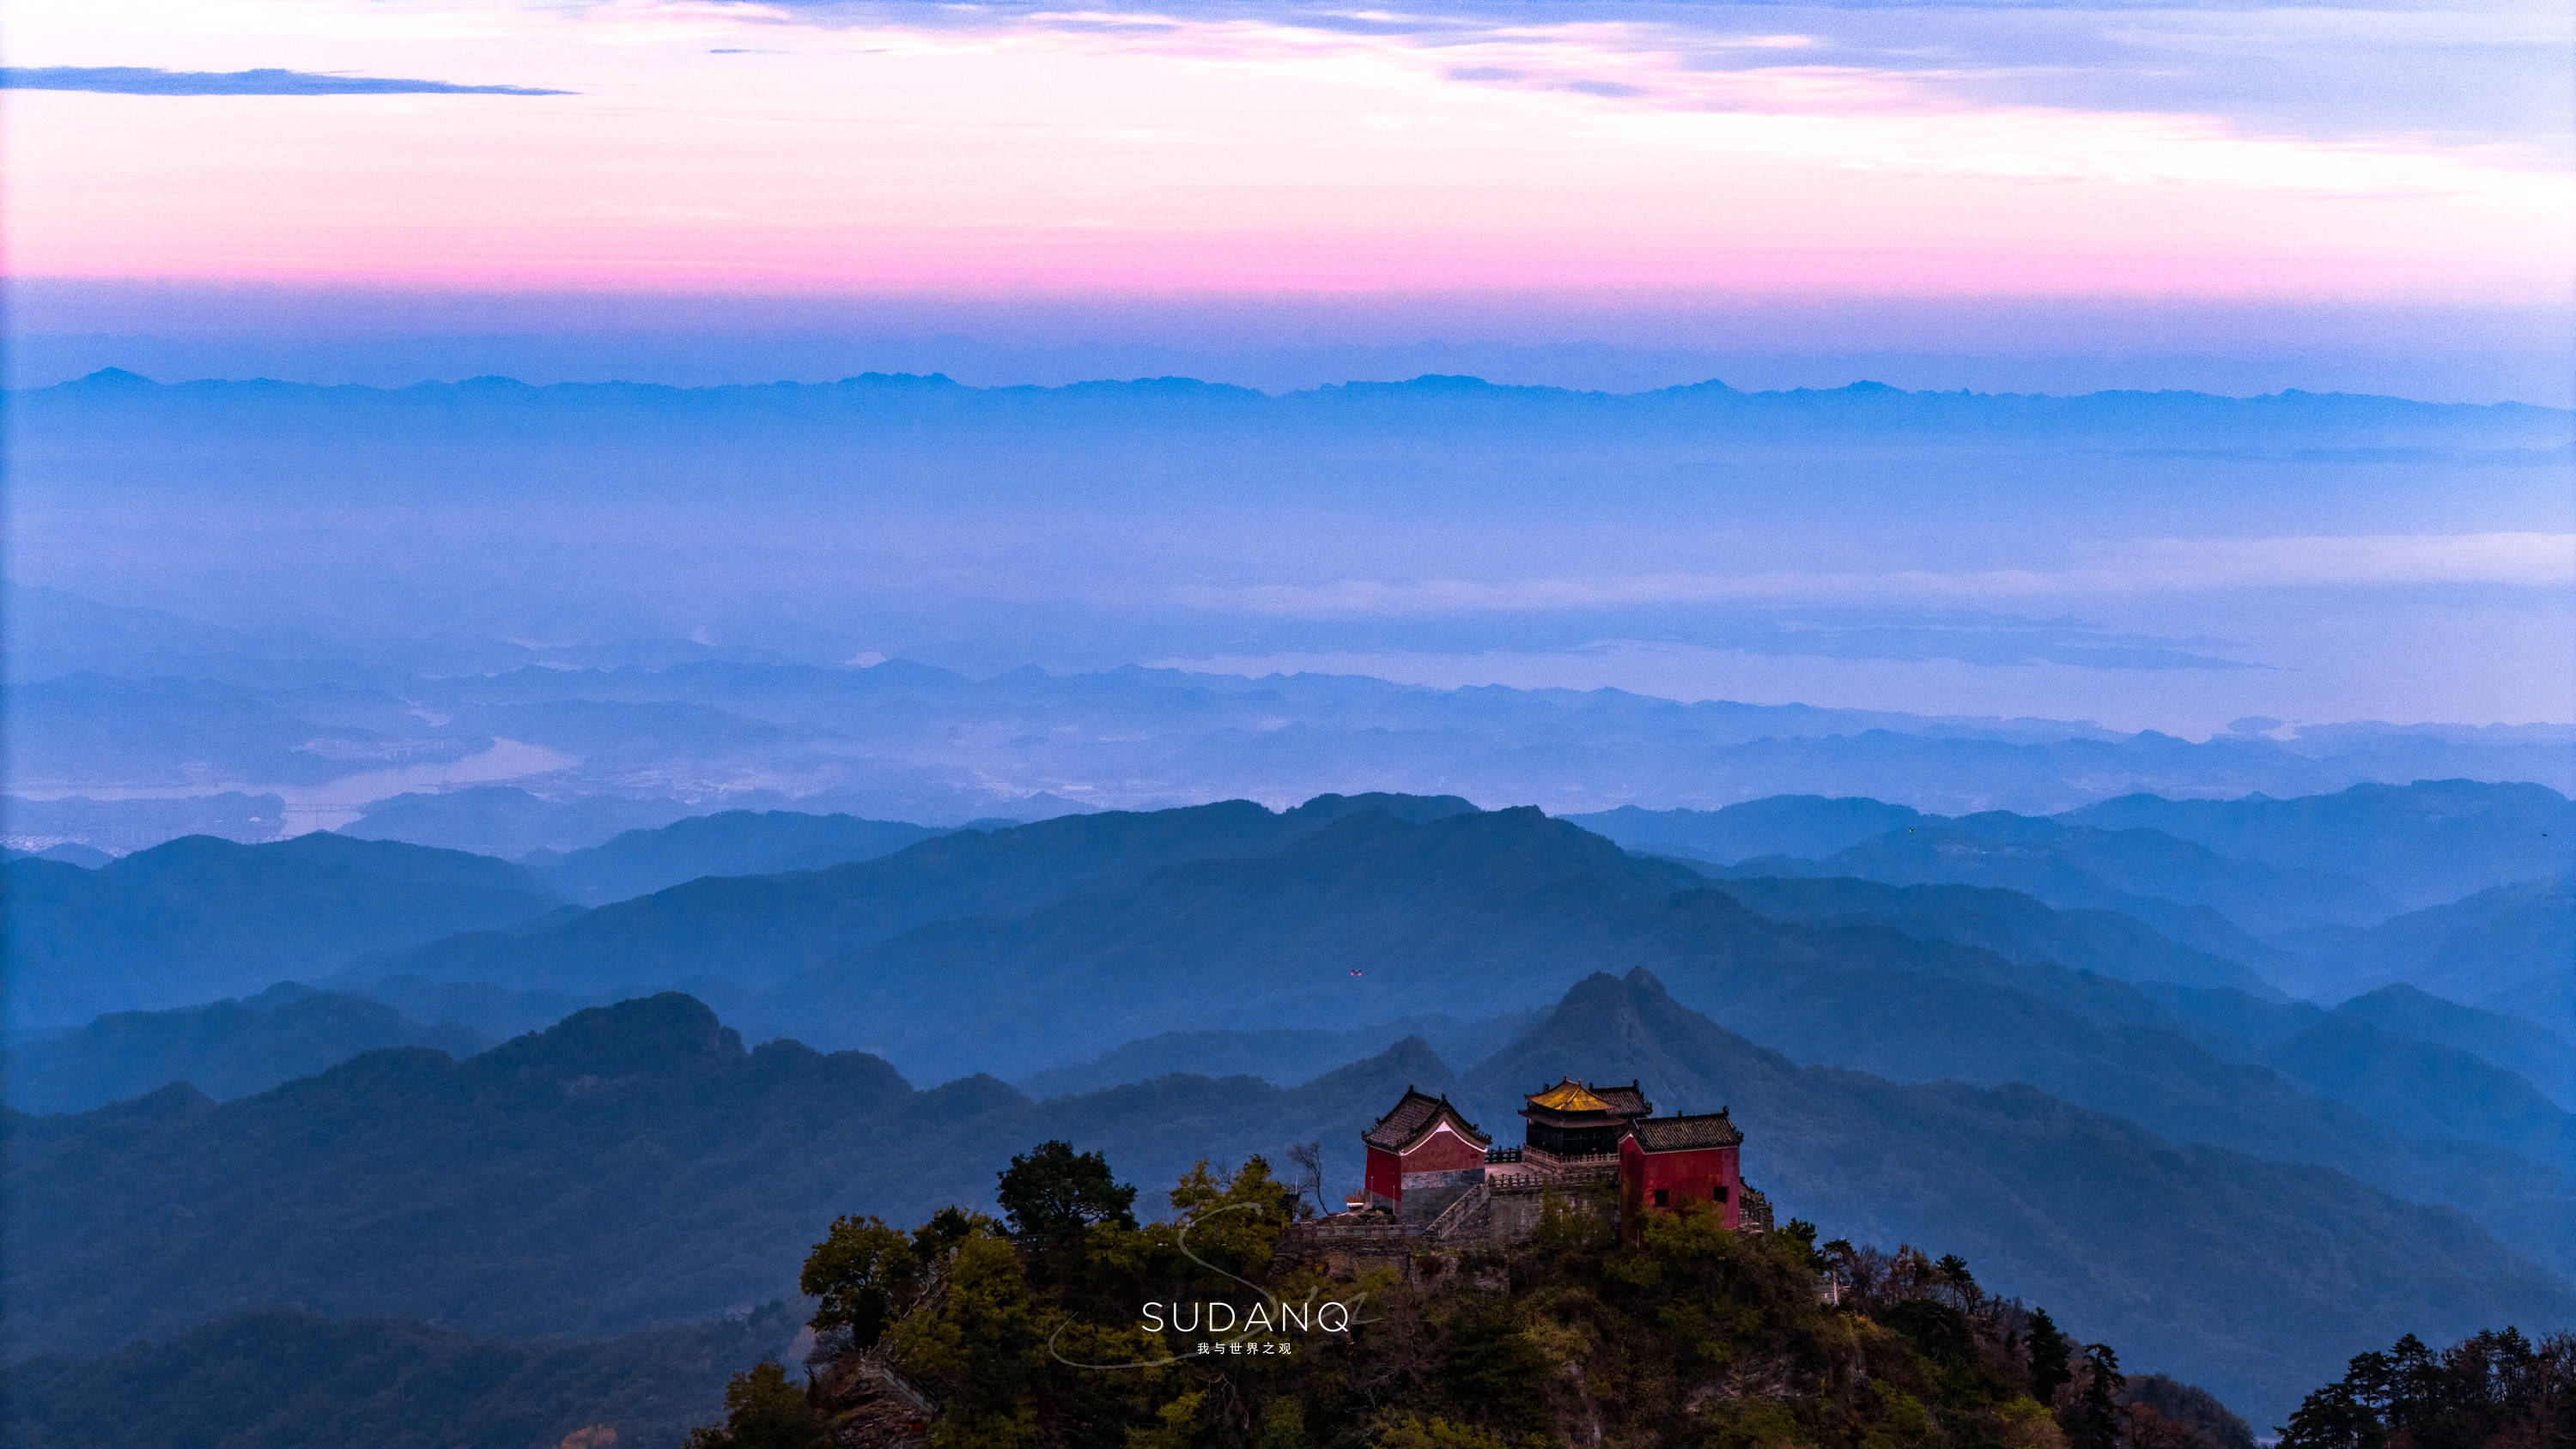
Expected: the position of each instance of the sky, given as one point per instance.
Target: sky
(1991, 193)
(2239, 196)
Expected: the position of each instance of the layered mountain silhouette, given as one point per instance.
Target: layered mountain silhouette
(2025, 1187)
(2317, 894)
(1366, 916)
(2423, 844)
(1283, 1056)
(2009, 923)
(2540, 1056)
(1025, 950)
(2426, 1089)
(225, 1049)
(734, 842)
(201, 918)
(2183, 890)
(69, 852)
(497, 1012)
(1935, 1055)
(2365, 853)
(1797, 826)
(1347, 910)
(2511, 949)
(761, 932)
(506, 821)
(637, 1164)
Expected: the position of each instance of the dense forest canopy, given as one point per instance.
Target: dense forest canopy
(2496, 1388)
(1676, 1331)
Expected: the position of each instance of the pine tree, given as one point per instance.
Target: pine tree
(2094, 1420)
(2049, 1350)
(1054, 1194)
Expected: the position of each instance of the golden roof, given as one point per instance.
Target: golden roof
(1569, 1096)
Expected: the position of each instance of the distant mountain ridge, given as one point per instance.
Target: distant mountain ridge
(2427, 1089)
(226, 1049)
(2427, 844)
(734, 842)
(2145, 880)
(2439, 838)
(2313, 905)
(1202, 919)
(2510, 949)
(2540, 1056)
(2291, 407)
(69, 852)
(197, 919)
(1019, 950)
(508, 822)
(791, 923)
(2010, 923)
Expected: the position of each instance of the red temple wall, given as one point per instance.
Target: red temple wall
(1385, 1174)
(1697, 1174)
(1442, 1152)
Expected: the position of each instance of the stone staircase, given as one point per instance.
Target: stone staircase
(875, 1407)
(1471, 1216)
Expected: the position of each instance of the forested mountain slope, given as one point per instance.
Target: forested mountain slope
(2420, 844)
(733, 842)
(2425, 843)
(282, 1379)
(1019, 950)
(2542, 1057)
(226, 1049)
(2511, 949)
(758, 932)
(199, 918)
(637, 1164)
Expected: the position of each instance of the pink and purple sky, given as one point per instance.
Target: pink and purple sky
(2239, 196)
(2310, 182)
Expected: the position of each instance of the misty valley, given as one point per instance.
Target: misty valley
(590, 962)
(1271, 724)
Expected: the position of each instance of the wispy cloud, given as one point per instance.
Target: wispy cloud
(1617, 149)
(143, 80)
(2490, 70)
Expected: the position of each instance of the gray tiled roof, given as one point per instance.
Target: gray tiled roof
(1627, 1101)
(1677, 1134)
(1414, 1116)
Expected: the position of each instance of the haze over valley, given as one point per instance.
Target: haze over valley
(1251, 724)
(723, 795)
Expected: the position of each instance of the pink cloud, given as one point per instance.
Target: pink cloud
(1226, 159)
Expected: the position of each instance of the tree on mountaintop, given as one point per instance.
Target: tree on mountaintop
(764, 1411)
(1053, 1194)
(2493, 1390)
(2050, 1349)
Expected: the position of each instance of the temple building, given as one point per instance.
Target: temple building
(1421, 1155)
(1667, 1161)
(1434, 1177)
(1574, 1120)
